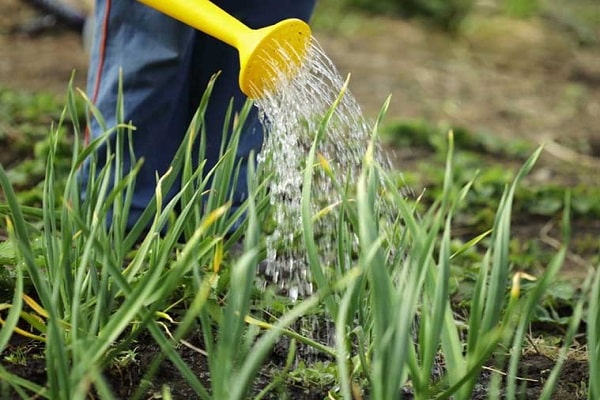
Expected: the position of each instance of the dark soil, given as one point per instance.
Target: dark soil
(126, 377)
(130, 370)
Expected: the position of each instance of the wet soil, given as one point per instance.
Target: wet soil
(128, 373)
(514, 79)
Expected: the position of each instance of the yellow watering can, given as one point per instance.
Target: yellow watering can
(264, 53)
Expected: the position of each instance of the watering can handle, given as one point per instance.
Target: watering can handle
(204, 16)
(261, 60)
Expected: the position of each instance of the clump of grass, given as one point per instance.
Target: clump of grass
(97, 287)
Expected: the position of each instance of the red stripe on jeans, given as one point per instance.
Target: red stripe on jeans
(100, 67)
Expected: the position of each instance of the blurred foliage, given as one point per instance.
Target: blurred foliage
(432, 137)
(521, 8)
(447, 14)
(26, 120)
(581, 17)
(491, 161)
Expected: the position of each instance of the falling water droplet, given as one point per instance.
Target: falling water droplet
(292, 114)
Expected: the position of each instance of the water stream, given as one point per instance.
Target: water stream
(291, 115)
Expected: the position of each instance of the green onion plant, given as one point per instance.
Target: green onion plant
(87, 287)
(100, 286)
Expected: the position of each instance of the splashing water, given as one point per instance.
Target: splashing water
(292, 114)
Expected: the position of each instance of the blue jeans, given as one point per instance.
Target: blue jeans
(166, 66)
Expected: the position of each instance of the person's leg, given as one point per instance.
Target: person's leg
(153, 52)
(166, 67)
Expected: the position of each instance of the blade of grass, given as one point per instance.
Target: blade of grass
(572, 330)
(10, 323)
(527, 313)
(314, 261)
(593, 340)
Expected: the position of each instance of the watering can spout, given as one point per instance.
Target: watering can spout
(265, 53)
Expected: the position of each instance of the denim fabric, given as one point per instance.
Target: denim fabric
(166, 66)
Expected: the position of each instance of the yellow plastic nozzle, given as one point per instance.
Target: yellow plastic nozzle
(264, 53)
